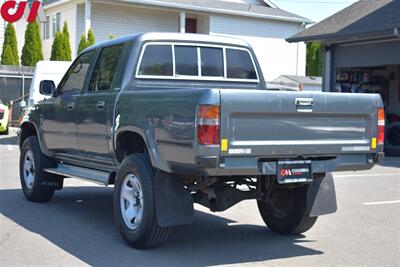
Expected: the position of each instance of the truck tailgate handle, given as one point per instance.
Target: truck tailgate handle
(100, 105)
(304, 102)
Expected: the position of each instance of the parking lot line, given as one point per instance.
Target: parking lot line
(364, 175)
(382, 202)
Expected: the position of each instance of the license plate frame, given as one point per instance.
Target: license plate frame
(294, 171)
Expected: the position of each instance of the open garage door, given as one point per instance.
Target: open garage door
(368, 55)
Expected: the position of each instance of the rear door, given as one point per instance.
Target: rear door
(96, 107)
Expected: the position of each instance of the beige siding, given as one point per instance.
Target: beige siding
(68, 14)
(123, 20)
(80, 23)
(276, 56)
(20, 27)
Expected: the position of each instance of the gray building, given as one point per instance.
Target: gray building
(362, 55)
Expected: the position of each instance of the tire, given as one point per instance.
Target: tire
(286, 211)
(135, 181)
(393, 134)
(37, 185)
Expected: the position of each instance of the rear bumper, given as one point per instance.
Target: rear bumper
(232, 166)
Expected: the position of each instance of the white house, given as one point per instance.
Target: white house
(259, 22)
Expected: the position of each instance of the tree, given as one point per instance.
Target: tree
(314, 59)
(32, 51)
(82, 44)
(9, 55)
(66, 43)
(90, 38)
(57, 49)
(86, 42)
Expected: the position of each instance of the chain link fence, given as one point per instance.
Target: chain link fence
(15, 83)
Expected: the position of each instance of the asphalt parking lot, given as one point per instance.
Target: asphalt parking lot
(77, 227)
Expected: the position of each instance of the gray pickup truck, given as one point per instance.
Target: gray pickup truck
(176, 119)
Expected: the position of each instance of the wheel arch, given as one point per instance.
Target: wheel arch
(130, 140)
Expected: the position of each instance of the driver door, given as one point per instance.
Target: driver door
(59, 117)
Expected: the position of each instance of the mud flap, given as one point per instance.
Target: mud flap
(321, 196)
(174, 204)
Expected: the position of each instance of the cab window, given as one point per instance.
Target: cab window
(157, 61)
(75, 78)
(105, 68)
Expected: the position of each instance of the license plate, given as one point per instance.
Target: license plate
(298, 171)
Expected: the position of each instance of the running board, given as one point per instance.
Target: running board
(82, 173)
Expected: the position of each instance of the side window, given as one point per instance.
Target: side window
(157, 61)
(186, 62)
(239, 65)
(105, 68)
(75, 77)
(212, 62)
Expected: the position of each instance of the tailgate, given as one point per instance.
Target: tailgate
(273, 123)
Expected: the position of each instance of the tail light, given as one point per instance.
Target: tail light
(1, 110)
(208, 118)
(381, 126)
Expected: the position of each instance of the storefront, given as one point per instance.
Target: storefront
(362, 55)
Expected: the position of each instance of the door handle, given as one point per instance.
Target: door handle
(71, 106)
(100, 105)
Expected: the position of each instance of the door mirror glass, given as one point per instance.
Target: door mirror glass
(47, 88)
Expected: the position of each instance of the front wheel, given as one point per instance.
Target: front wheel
(285, 212)
(134, 204)
(37, 185)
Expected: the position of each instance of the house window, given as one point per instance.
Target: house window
(56, 23)
(54, 26)
(46, 28)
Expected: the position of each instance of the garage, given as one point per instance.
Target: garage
(362, 55)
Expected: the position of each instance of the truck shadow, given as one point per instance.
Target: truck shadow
(80, 221)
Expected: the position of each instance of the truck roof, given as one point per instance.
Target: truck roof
(180, 37)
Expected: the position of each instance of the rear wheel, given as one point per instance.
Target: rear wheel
(37, 185)
(134, 204)
(285, 212)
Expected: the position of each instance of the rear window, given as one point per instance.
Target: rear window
(157, 61)
(212, 62)
(196, 62)
(186, 61)
(240, 65)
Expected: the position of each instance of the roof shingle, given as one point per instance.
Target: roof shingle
(365, 17)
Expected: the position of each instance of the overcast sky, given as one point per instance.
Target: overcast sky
(315, 10)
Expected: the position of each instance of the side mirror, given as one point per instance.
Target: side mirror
(47, 88)
(22, 104)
